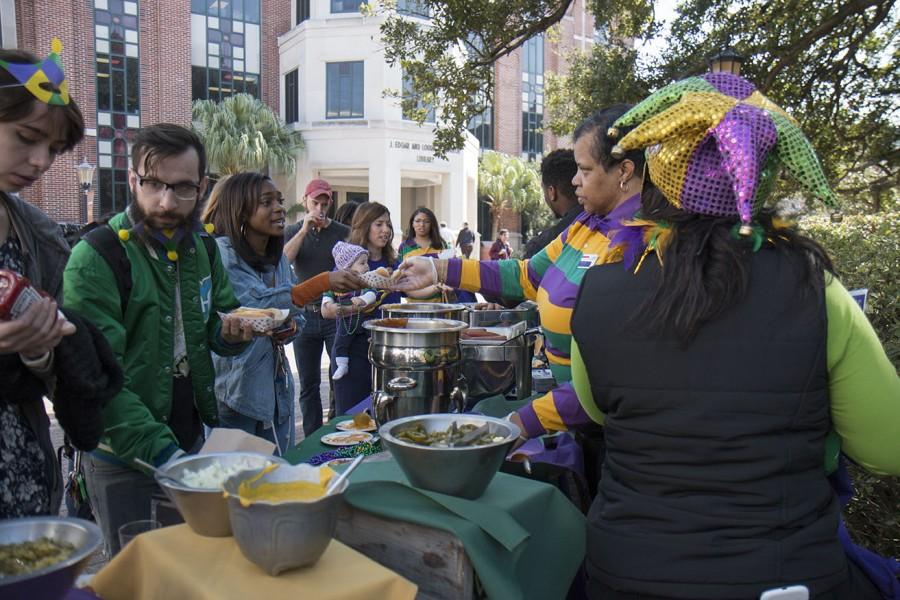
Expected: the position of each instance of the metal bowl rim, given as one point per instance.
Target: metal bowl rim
(452, 325)
(339, 492)
(93, 543)
(163, 482)
(402, 306)
(384, 432)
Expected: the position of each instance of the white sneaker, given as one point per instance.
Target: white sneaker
(343, 366)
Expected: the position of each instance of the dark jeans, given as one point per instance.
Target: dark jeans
(353, 387)
(317, 332)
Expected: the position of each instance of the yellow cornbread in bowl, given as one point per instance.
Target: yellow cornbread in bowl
(280, 515)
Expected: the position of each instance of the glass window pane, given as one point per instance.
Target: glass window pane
(251, 11)
(198, 83)
(104, 190)
(133, 85)
(118, 90)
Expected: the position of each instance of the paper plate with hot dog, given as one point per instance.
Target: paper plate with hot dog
(260, 319)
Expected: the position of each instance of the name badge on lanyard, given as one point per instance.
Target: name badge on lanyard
(587, 261)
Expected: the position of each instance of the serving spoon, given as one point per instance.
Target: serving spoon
(337, 481)
(158, 472)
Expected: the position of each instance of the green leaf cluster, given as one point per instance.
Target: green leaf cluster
(508, 183)
(241, 133)
(831, 63)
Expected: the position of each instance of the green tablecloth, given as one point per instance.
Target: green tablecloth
(525, 539)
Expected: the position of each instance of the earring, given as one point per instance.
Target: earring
(622, 184)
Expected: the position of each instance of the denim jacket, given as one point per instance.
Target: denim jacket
(248, 383)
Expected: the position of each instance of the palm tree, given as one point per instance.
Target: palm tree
(241, 133)
(506, 182)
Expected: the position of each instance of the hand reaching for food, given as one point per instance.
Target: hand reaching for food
(414, 274)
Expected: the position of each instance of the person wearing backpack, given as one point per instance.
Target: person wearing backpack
(163, 329)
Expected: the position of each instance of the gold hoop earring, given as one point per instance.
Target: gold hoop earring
(622, 184)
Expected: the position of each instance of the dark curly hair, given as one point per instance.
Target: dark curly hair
(558, 169)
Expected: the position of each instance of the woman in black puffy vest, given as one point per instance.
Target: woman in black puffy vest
(728, 366)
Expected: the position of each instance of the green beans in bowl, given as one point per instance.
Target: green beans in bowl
(422, 447)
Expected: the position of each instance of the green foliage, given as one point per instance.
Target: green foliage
(605, 76)
(866, 253)
(243, 134)
(830, 63)
(508, 183)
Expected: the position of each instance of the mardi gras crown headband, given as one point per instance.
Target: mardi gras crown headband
(44, 79)
(715, 145)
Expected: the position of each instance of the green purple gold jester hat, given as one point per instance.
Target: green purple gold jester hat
(715, 145)
(45, 79)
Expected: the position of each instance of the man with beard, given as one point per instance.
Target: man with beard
(163, 331)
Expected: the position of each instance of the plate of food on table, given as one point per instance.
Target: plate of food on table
(346, 438)
(359, 422)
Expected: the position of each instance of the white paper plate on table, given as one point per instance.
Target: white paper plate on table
(376, 280)
(346, 438)
(263, 324)
(349, 426)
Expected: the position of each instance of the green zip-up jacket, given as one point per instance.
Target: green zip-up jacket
(143, 338)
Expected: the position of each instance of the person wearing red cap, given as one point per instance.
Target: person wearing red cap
(308, 246)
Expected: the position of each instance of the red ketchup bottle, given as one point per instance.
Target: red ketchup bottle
(16, 295)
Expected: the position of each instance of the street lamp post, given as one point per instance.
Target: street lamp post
(85, 180)
(726, 61)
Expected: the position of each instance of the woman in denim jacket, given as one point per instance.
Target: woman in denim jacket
(255, 389)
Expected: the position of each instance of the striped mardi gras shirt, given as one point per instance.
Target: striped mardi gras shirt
(551, 278)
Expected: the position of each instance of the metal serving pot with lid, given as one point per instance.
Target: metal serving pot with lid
(426, 310)
(416, 366)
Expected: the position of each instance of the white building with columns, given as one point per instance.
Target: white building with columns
(333, 79)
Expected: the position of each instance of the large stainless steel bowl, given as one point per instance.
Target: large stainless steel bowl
(281, 536)
(205, 510)
(464, 472)
(53, 582)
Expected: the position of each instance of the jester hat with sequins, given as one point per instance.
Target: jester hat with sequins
(715, 146)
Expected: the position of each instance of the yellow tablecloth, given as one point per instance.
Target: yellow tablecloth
(174, 562)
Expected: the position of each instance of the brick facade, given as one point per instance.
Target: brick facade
(37, 23)
(165, 40)
(165, 62)
(276, 21)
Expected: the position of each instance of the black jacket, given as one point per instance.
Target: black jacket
(713, 484)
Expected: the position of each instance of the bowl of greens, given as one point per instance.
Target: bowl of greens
(40, 557)
(450, 453)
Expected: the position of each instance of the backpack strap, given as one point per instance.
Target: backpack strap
(106, 242)
(211, 249)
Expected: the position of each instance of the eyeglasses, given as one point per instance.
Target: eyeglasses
(266, 200)
(184, 191)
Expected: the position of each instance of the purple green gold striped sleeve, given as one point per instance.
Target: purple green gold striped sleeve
(557, 410)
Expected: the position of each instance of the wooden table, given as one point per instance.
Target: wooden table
(433, 559)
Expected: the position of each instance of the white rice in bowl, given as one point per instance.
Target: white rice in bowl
(211, 477)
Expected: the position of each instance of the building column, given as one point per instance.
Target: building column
(384, 184)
